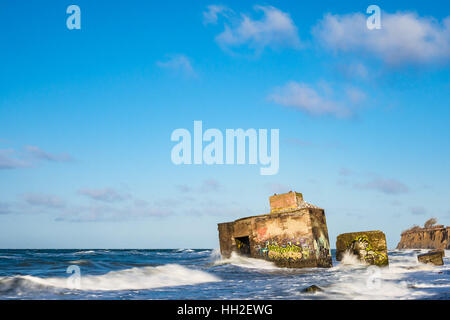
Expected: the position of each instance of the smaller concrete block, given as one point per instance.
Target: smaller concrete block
(435, 257)
(369, 246)
(290, 200)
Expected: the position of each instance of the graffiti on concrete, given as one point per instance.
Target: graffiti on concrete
(362, 247)
(291, 249)
(322, 248)
(321, 244)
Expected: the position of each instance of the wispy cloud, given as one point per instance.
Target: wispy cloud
(353, 70)
(9, 160)
(404, 37)
(274, 29)
(113, 206)
(40, 154)
(5, 208)
(210, 185)
(108, 207)
(384, 185)
(184, 188)
(44, 200)
(316, 102)
(345, 172)
(105, 212)
(355, 95)
(178, 63)
(104, 195)
(418, 210)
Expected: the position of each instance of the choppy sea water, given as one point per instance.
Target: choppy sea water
(203, 274)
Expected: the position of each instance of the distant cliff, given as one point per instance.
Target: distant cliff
(434, 237)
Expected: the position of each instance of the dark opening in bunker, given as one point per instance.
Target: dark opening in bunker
(243, 246)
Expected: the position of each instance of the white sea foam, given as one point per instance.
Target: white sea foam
(399, 280)
(184, 250)
(246, 262)
(169, 275)
(85, 252)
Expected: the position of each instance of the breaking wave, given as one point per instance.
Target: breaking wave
(245, 262)
(169, 275)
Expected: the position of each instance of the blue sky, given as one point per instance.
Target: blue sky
(86, 117)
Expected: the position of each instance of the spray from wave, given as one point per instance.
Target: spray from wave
(349, 259)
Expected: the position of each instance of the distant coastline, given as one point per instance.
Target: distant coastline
(429, 236)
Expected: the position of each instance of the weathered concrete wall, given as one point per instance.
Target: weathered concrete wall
(369, 246)
(290, 238)
(436, 237)
(225, 233)
(435, 257)
(320, 234)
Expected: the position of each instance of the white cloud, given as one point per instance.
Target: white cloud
(211, 15)
(301, 96)
(404, 38)
(178, 63)
(274, 29)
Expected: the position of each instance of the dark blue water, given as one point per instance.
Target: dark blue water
(202, 274)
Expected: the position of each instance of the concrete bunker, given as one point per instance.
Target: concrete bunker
(369, 246)
(294, 234)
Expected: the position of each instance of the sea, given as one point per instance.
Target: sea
(203, 274)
